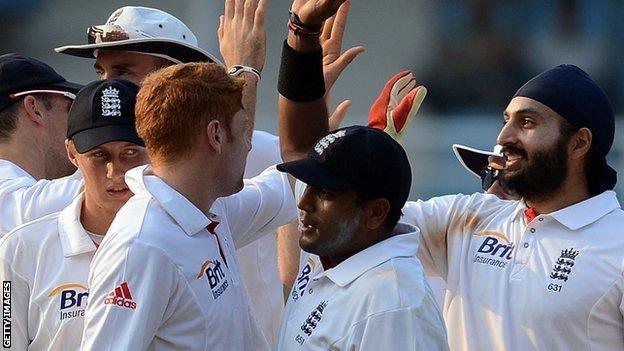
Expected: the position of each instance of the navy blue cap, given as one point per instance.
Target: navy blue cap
(20, 75)
(102, 112)
(356, 157)
(570, 92)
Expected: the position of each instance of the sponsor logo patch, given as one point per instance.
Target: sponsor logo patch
(73, 299)
(213, 269)
(303, 279)
(121, 296)
(495, 250)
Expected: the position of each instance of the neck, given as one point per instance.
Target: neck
(94, 218)
(199, 190)
(24, 154)
(573, 190)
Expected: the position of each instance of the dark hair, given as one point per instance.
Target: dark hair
(394, 214)
(9, 115)
(594, 167)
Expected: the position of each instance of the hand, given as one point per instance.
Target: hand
(335, 62)
(242, 36)
(396, 105)
(315, 12)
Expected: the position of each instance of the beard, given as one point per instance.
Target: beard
(542, 177)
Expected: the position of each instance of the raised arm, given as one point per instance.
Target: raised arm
(242, 41)
(311, 63)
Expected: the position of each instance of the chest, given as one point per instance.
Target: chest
(60, 290)
(558, 273)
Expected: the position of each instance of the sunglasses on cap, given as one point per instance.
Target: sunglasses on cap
(66, 94)
(488, 176)
(106, 33)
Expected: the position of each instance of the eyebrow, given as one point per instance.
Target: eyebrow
(525, 111)
(117, 66)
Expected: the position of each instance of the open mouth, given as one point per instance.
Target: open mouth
(305, 226)
(118, 191)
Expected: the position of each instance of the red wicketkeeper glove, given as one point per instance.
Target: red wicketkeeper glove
(397, 104)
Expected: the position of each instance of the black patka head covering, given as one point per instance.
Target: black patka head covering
(571, 92)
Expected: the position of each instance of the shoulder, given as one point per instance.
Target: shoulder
(33, 234)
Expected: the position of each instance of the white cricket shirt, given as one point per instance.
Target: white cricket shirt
(24, 199)
(556, 283)
(258, 260)
(47, 264)
(162, 281)
(377, 299)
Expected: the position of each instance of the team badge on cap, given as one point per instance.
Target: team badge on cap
(111, 104)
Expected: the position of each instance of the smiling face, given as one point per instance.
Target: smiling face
(103, 169)
(535, 145)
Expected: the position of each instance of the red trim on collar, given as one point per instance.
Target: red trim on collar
(530, 214)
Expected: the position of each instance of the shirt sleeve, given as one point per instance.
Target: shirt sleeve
(435, 218)
(265, 203)
(131, 285)
(15, 298)
(416, 328)
(24, 200)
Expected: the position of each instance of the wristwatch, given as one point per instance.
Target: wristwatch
(238, 69)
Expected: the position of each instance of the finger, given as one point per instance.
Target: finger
(260, 13)
(229, 9)
(335, 120)
(220, 29)
(407, 108)
(239, 8)
(249, 9)
(327, 29)
(347, 57)
(401, 88)
(340, 23)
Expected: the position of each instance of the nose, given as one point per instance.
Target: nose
(305, 202)
(507, 134)
(115, 170)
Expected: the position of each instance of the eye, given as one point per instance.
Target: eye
(99, 73)
(326, 194)
(99, 154)
(131, 152)
(527, 122)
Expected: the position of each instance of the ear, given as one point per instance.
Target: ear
(376, 213)
(214, 137)
(580, 143)
(71, 152)
(34, 110)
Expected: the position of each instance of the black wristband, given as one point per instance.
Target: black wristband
(301, 75)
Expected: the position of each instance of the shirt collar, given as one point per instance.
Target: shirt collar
(9, 170)
(588, 211)
(403, 244)
(74, 238)
(142, 181)
(580, 214)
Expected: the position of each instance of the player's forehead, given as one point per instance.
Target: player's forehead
(117, 58)
(523, 106)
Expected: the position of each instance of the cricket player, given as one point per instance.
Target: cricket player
(360, 285)
(556, 250)
(34, 101)
(543, 272)
(46, 262)
(166, 275)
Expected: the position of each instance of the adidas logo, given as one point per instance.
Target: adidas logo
(120, 296)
